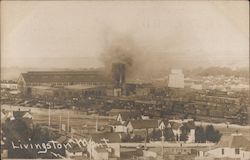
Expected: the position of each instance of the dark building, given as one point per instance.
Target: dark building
(118, 74)
(61, 78)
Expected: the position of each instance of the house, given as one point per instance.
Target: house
(117, 126)
(164, 124)
(232, 147)
(10, 116)
(134, 125)
(75, 151)
(176, 126)
(111, 140)
(125, 116)
(99, 153)
(191, 126)
(142, 128)
(3, 117)
(22, 114)
(27, 115)
(110, 137)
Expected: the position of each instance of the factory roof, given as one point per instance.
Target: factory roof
(64, 76)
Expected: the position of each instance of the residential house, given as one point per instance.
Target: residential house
(3, 117)
(234, 147)
(176, 128)
(75, 151)
(99, 153)
(177, 125)
(125, 116)
(117, 126)
(110, 140)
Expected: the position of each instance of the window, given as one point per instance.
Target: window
(237, 151)
(222, 151)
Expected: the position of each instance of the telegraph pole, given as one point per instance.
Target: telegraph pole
(49, 114)
(68, 121)
(60, 122)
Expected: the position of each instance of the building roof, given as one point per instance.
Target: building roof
(75, 148)
(190, 124)
(111, 137)
(61, 139)
(65, 76)
(234, 141)
(20, 114)
(175, 125)
(80, 87)
(114, 122)
(129, 115)
(101, 149)
(143, 124)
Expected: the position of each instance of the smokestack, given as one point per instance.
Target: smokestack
(118, 74)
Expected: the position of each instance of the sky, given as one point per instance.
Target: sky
(75, 34)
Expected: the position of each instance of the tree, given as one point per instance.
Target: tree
(184, 133)
(212, 134)
(200, 136)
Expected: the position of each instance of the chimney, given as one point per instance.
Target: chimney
(118, 74)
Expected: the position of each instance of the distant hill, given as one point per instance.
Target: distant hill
(216, 71)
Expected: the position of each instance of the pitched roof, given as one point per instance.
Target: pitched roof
(19, 114)
(75, 148)
(65, 76)
(114, 122)
(101, 149)
(175, 125)
(129, 115)
(190, 124)
(61, 139)
(143, 124)
(234, 141)
(111, 137)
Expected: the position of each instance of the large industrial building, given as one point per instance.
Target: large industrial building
(57, 79)
(73, 83)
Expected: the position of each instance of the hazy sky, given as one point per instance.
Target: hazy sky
(35, 34)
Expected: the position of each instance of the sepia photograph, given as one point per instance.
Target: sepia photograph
(125, 80)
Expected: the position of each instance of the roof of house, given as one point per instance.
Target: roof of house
(114, 122)
(190, 124)
(234, 141)
(65, 76)
(80, 87)
(143, 124)
(75, 148)
(175, 125)
(61, 139)
(19, 114)
(129, 115)
(111, 137)
(101, 149)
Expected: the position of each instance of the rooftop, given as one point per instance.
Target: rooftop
(65, 76)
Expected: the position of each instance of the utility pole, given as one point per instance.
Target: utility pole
(49, 114)
(162, 144)
(60, 123)
(96, 125)
(68, 121)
